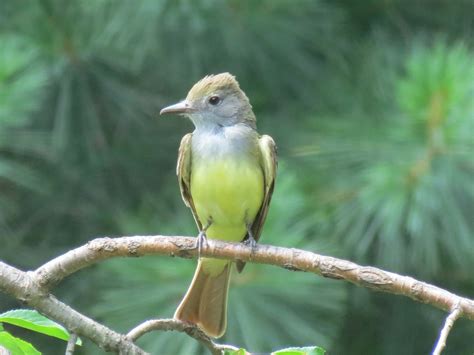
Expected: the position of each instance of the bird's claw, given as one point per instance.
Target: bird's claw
(250, 242)
(200, 242)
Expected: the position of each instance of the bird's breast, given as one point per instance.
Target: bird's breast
(227, 190)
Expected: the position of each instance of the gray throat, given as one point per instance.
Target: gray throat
(214, 142)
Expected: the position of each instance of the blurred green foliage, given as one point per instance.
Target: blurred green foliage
(371, 104)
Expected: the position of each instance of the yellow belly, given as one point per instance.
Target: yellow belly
(227, 193)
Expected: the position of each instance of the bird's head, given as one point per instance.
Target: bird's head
(215, 101)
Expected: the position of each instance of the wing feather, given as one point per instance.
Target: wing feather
(269, 164)
(183, 170)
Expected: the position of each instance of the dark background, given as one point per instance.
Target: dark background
(370, 103)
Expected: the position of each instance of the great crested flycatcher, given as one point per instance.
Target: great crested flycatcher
(226, 173)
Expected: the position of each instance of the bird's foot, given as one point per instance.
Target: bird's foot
(202, 237)
(201, 241)
(250, 242)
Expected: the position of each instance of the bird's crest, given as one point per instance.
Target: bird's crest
(212, 83)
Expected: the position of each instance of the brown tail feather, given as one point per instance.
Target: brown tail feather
(205, 303)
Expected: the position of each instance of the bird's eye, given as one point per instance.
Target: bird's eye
(214, 100)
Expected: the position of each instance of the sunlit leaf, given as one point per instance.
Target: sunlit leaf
(16, 345)
(235, 352)
(307, 350)
(32, 320)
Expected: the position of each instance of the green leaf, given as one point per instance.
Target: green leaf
(236, 352)
(307, 350)
(32, 320)
(15, 345)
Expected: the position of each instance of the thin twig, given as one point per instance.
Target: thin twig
(448, 324)
(177, 325)
(71, 344)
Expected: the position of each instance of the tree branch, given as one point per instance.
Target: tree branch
(23, 287)
(71, 344)
(443, 336)
(33, 287)
(292, 259)
(174, 324)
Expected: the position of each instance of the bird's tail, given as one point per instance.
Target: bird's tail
(205, 302)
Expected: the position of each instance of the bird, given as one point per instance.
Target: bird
(226, 173)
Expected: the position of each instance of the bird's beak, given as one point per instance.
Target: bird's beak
(182, 107)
